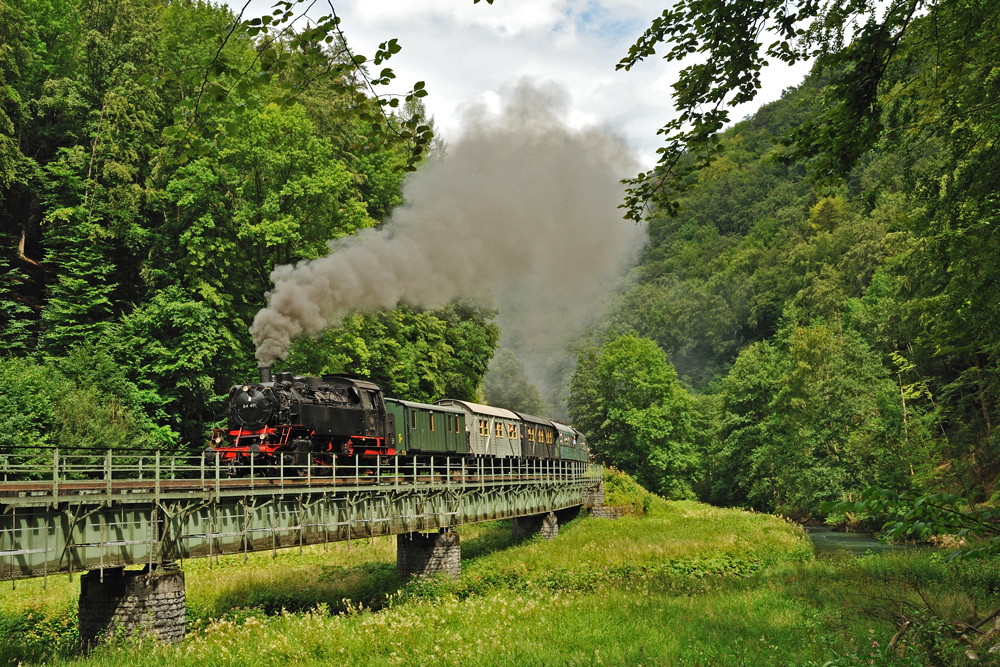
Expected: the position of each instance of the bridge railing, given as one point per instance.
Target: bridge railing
(113, 473)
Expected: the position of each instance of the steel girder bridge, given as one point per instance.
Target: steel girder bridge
(109, 511)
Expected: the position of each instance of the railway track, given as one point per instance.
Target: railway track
(15, 489)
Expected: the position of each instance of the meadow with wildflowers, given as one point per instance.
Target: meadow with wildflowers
(681, 583)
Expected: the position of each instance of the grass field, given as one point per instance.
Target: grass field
(682, 584)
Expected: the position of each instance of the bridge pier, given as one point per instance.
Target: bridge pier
(545, 524)
(126, 603)
(420, 553)
(594, 496)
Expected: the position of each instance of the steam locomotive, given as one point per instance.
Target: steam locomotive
(303, 422)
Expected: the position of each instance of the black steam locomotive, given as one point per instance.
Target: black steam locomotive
(288, 419)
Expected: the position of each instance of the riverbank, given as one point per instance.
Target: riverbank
(683, 584)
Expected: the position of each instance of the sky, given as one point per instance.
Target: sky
(471, 54)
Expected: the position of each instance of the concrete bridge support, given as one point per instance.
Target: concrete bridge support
(545, 524)
(420, 553)
(127, 603)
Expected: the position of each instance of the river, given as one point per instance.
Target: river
(827, 540)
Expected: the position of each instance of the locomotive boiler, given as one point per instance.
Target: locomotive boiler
(297, 420)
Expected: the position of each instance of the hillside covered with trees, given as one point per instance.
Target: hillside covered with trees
(816, 310)
(157, 161)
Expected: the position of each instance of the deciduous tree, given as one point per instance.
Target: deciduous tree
(637, 416)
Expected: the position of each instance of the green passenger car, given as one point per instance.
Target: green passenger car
(567, 442)
(428, 429)
(572, 444)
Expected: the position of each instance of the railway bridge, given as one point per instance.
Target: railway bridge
(98, 515)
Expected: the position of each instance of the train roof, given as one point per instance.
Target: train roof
(564, 428)
(535, 420)
(424, 406)
(479, 408)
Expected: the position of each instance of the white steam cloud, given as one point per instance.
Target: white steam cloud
(521, 205)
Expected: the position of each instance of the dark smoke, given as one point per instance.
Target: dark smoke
(521, 205)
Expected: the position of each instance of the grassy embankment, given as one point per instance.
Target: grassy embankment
(684, 583)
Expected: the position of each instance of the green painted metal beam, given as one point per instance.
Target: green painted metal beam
(151, 514)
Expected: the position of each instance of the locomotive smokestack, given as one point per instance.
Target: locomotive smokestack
(265, 373)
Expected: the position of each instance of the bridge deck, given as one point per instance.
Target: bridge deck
(77, 516)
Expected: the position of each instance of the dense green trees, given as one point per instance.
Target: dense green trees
(864, 48)
(82, 403)
(808, 417)
(627, 399)
(823, 274)
(417, 355)
(157, 161)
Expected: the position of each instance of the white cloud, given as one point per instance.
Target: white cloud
(503, 19)
(466, 52)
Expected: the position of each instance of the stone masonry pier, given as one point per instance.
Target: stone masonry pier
(547, 525)
(420, 553)
(129, 603)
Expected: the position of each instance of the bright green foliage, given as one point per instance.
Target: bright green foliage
(84, 406)
(14, 54)
(812, 418)
(826, 213)
(27, 412)
(275, 194)
(730, 40)
(835, 428)
(507, 385)
(79, 303)
(620, 490)
(15, 317)
(177, 348)
(159, 160)
(272, 59)
(414, 355)
(745, 428)
(637, 417)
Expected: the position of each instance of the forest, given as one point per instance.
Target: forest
(814, 312)
(157, 161)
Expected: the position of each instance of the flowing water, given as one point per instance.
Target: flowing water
(827, 540)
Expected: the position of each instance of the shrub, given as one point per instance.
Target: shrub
(621, 490)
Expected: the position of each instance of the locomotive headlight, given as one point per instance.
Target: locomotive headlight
(217, 439)
(263, 436)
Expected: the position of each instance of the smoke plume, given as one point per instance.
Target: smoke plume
(520, 205)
